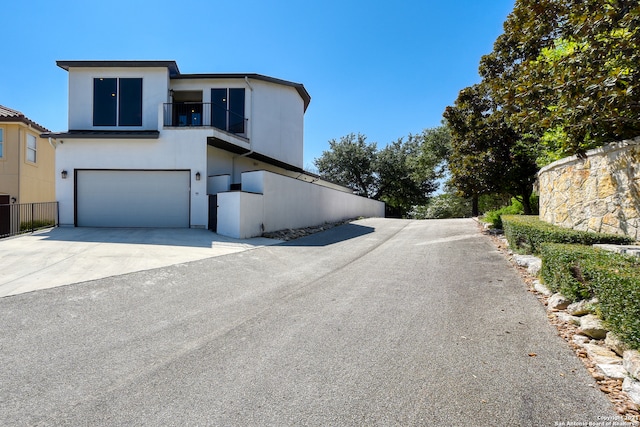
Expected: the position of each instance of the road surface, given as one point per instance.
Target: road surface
(379, 322)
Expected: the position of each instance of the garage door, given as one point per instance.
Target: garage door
(117, 198)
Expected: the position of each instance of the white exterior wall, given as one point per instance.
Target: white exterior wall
(169, 152)
(240, 214)
(289, 203)
(278, 122)
(275, 114)
(155, 90)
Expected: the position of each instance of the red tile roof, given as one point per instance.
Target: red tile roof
(9, 115)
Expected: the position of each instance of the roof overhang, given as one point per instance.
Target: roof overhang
(104, 134)
(236, 149)
(172, 66)
(299, 87)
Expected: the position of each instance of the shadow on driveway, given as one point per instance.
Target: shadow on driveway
(331, 236)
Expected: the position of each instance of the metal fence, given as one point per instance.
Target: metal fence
(204, 114)
(21, 218)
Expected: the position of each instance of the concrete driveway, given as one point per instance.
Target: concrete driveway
(66, 255)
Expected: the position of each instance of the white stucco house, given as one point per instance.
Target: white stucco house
(148, 146)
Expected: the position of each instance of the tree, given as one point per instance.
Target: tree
(487, 155)
(567, 72)
(402, 180)
(403, 174)
(350, 162)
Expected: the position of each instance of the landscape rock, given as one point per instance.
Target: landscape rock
(614, 343)
(580, 308)
(591, 326)
(539, 287)
(612, 371)
(602, 355)
(631, 362)
(567, 318)
(581, 340)
(632, 388)
(531, 262)
(557, 302)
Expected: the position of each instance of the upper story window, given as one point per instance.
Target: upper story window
(117, 102)
(1, 143)
(31, 148)
(227, 109)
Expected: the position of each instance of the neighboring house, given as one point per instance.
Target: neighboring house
(27, 161)
(148, 146)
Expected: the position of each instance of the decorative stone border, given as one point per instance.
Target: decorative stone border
(615, 368)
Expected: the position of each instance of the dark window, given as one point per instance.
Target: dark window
(130, 102)
(236, 110)
(105, 97)
(117, 102)
(227, 109)
(219, 108)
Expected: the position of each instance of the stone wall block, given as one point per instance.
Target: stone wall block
(600, 194)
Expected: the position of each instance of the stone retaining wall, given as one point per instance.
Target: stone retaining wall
(600, 193)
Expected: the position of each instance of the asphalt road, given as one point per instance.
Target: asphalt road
(381, 322)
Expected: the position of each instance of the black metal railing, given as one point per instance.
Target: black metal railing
(18, 218)
(204, 114)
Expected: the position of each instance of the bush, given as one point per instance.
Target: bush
(527, 233)
(36, 224)
(581, 272)
(494, 217)
(443, 206)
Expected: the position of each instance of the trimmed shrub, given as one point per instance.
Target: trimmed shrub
(561, 269)
(581, 272)
(527, 233)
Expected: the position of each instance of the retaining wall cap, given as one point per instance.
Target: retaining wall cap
(612, 146)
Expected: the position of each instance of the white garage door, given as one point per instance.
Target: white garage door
(117, 198)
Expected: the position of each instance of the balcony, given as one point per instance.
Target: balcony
(204, 114)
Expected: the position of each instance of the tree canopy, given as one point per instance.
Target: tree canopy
(402, 174)
(487, 155)
(567, 72)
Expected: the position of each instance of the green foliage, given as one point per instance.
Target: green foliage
(494, 217)
(488, 155)
(350, 162)
(36, 224)
(403, 179)
(402, 174)
(567, 72)
(443, 206)
(528, 233)
(561, 271)
(581, 272)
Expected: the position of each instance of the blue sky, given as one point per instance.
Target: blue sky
(381, 68)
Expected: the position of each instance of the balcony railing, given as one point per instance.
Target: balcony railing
(21, 218)
(204, 114)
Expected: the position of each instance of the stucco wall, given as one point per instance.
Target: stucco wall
(155, 90)
(288, 203)
(600, 193)
(169, 152)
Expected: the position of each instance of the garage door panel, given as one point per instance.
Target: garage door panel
(132, 198)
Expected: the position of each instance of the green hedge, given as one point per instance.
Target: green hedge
(581, 272)
(527, 233)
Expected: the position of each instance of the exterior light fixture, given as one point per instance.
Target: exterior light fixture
(197, 176)
(63, 174)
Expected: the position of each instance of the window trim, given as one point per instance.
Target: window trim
(33, 150)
